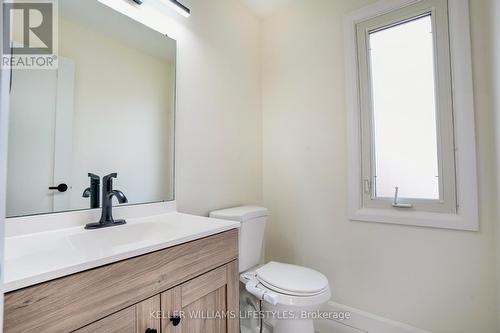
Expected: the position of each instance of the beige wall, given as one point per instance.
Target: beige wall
(438, 280)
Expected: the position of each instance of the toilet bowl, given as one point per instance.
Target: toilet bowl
(291, 295)
(294, 295)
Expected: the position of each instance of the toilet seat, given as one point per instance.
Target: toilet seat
(292, 280)
(300, 301)
(291, 285)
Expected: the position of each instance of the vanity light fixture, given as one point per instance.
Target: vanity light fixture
(173, 4)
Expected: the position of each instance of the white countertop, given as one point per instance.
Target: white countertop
(43, 256)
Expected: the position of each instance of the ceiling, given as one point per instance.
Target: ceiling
(264, 8)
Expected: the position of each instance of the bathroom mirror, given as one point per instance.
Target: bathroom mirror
(108, 107)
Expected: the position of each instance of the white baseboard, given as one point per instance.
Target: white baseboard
(362, 322)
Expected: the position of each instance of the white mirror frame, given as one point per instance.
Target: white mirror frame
(467, 216)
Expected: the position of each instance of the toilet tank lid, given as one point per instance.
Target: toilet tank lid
(240, 214)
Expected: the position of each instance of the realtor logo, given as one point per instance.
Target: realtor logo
(29, 34)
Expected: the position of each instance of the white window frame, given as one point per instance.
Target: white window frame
(460, 212)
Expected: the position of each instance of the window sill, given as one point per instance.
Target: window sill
(459, 221)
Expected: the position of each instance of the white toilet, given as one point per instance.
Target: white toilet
(290, 294)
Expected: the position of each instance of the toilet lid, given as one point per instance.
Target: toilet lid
(292, 280)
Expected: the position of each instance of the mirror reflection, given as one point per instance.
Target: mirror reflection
(108, 108)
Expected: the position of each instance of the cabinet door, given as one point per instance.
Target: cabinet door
(140, 318)
(206, 304)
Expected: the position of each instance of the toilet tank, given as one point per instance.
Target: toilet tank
(251, 235)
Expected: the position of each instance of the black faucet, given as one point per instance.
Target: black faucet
(92, 192)
(107, 204)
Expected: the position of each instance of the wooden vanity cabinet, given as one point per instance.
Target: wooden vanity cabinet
(206, 304)
(189, 288)
(134, 319)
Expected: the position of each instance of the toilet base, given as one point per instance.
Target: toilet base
(279, 318)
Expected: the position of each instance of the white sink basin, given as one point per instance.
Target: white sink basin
(39, 257)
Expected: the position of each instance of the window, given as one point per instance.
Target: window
(410, 147)
(407, 131)
(404, 110)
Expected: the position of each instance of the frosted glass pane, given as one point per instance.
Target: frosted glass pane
(404, 106)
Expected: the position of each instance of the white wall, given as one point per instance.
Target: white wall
(438, 280)
(219, 124)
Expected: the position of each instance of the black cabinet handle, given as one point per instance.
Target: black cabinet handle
(176, 320)
(151, 330)
(60, 188)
